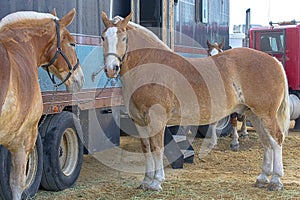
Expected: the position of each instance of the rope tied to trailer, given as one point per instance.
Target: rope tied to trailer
(94, 74)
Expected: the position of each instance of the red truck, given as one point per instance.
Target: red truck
(282, 40)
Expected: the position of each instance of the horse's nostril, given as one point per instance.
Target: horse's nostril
(116, 68)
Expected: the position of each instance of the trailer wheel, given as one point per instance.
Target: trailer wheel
(33, 171)
(223, 129)
(63, 152)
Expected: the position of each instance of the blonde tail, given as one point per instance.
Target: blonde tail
(283, 114)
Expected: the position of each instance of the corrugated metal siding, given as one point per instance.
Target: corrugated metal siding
(87, 19)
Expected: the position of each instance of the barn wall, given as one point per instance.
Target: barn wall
(87, 19)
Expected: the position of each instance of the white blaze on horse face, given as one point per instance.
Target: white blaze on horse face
(214, 51)
(111, 61)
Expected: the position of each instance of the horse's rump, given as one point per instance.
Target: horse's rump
(4, 75)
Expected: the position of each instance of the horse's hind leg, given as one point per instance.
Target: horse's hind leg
(272, 160)
(214, 138)
(19, 157)
(18, 172)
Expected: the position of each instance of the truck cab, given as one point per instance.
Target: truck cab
(283, 43)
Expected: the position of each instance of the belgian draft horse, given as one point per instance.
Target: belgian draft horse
(214, 49)
(29, 40)
(163, 88)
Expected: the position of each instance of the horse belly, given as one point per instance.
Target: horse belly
(201, 116)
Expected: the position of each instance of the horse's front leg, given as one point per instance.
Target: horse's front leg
(157, 150)
(150, 165)
(154, 171)
(18, 172)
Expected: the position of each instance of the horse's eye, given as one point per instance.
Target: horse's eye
(124, 39)
(73, 44)
(102, 38)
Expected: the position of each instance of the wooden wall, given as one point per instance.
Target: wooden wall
(87, 19)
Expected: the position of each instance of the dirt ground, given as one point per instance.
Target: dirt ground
(222, 174)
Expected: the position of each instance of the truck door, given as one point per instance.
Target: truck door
(272, 42)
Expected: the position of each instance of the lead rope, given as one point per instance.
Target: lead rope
(55, 88)
(88, 101)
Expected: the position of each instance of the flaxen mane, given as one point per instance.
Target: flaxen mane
(22, 15)
(142, 30)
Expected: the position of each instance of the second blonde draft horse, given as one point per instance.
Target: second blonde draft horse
(29, 40)
(214, 49)
(163, 88)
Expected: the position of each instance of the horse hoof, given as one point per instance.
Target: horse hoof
(275, 186)
(261, 183)
(211, 146)
(152, 187)
(245, 135)
(234, 147)
(156, 188)
(143, 186)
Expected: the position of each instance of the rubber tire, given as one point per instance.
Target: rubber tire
(35, 172)
(203, 131)
(59, 126)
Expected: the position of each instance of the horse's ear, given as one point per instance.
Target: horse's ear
(67, 19)
(105, 20)
(125, 21)
(221, 44)
(54, 12)
(208, 44)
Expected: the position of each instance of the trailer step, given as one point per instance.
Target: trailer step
(178, 149)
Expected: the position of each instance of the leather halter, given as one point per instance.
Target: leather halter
(121, 59)
(59, 51)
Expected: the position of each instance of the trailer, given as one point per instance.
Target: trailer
(74, 124)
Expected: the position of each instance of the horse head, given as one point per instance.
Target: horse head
(115, 44)
(61, 57)
(214, 49)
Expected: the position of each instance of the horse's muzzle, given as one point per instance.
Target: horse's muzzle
(75, 83)
(113, 71)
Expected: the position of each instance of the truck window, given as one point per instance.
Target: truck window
(272, 42)
(265, 43)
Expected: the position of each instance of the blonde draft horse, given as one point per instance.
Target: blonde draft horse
(163, 88)
(29, 40)
(214, 49)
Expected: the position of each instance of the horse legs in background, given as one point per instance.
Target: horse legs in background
(153, 149)
(243, 119)
(272, 160)
(234, 144)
